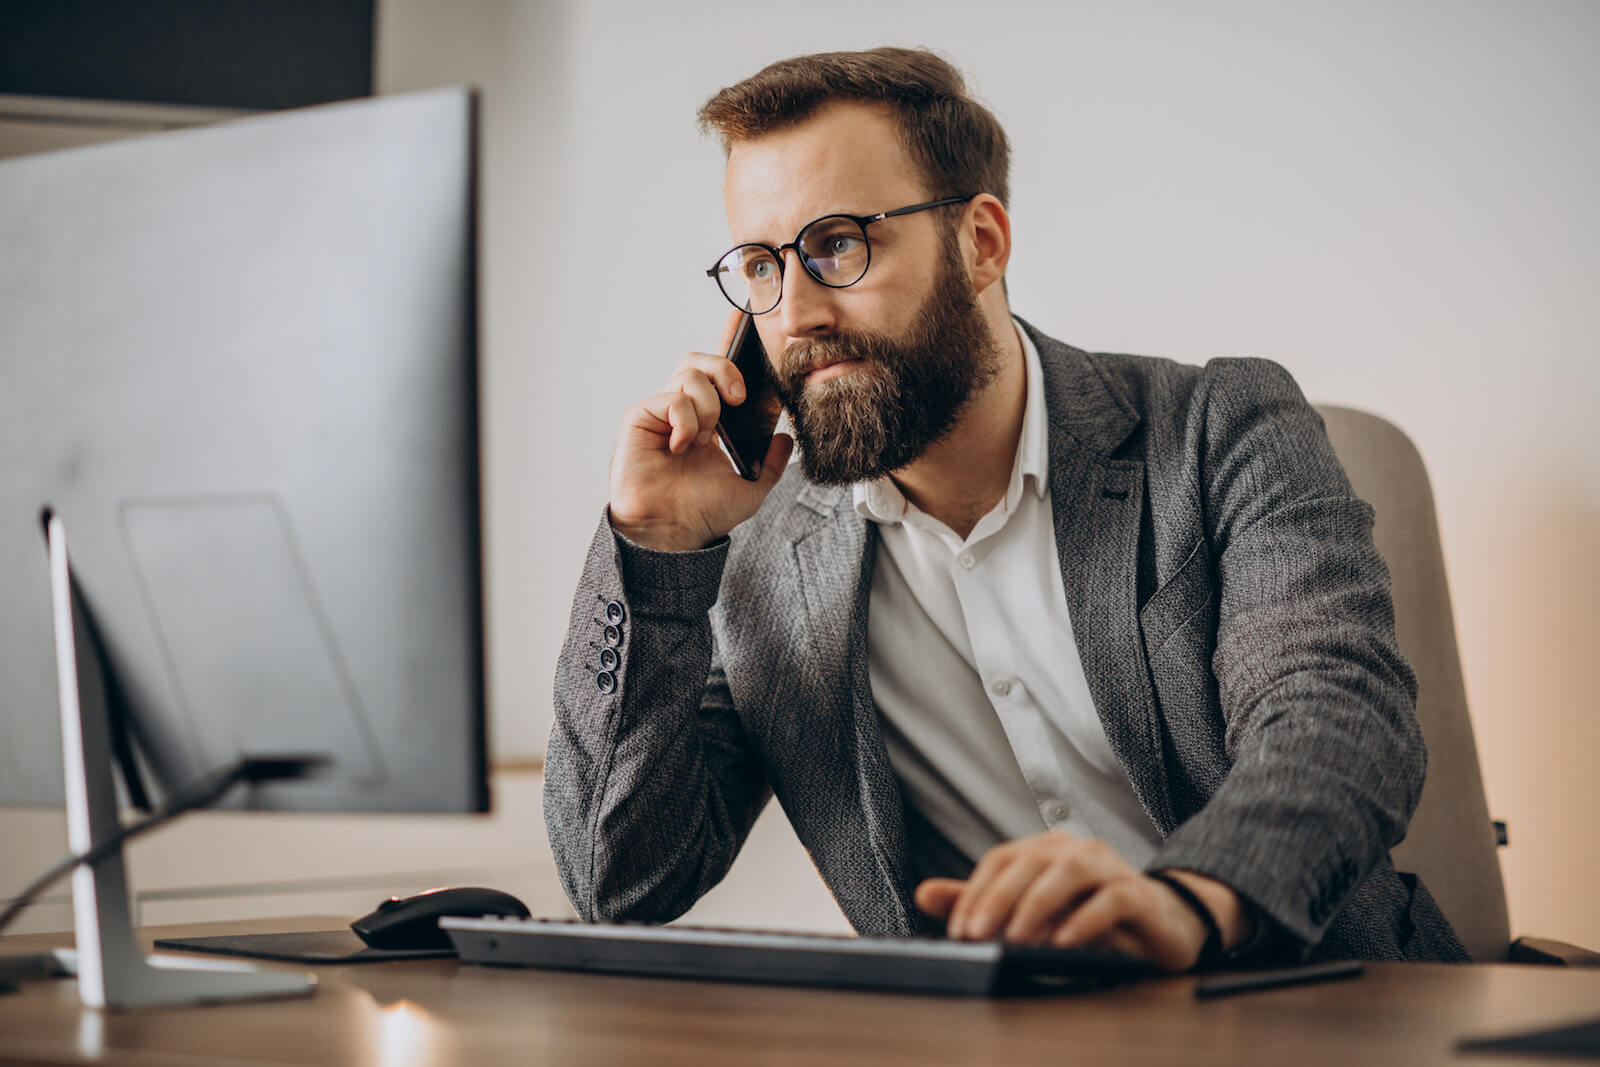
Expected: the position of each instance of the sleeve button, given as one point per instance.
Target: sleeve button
(614, 612)
(613, 636)
(606, 682)
(609, 659)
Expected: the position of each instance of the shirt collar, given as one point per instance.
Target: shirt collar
(880, 500)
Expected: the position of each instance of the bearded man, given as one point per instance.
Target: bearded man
(1040, 644)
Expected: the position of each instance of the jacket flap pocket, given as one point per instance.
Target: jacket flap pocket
(1175, 602)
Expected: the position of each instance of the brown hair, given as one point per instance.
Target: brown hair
(957, 142)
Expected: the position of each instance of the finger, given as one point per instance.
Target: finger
(650, 416)
(1130, 911)
(936, 896)
(677, 411)
(1118, 939)
(777, 459)
(721, 372)
(1060, 888)
(1111, 903)
(707, 406)
(992, 903)
(989, 866)
(1169, 932)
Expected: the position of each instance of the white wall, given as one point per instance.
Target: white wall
(1394, 200)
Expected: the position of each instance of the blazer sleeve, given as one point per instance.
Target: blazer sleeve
(1327, 757)
(650, 784)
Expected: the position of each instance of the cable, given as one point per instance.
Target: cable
(199, 794)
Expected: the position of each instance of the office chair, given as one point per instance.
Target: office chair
(1452, 841)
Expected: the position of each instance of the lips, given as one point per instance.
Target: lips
(806, 363)
(830, 370)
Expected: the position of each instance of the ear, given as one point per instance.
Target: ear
(986, 237)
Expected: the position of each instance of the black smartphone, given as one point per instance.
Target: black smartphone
(745, 430)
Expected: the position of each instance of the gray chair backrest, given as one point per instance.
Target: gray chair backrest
(1451, 843)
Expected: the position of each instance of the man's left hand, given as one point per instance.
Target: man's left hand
(1054, 888)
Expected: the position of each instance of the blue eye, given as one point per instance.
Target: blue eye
(842, 244)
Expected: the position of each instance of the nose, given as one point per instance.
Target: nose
(807, 307)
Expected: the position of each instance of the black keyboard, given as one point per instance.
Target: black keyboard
(923, 965)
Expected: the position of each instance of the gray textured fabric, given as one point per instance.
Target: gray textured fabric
(1231, 613)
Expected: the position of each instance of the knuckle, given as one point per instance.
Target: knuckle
(1070, 864)
(1058, 844)
(1122, 895)
(1033, 908)
(708, 366)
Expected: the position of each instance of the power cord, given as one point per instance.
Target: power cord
(200, 794)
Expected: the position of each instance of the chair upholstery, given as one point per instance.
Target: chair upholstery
(1451, 844)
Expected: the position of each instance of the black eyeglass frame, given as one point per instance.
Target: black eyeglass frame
(862, 221)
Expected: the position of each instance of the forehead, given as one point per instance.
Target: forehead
(848, 157)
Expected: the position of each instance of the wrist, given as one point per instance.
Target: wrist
(1209, 952)
(1235, 918)
(657, 536)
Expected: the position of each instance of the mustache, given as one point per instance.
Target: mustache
(800, 358)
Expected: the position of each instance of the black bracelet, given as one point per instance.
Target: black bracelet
(1211, 951)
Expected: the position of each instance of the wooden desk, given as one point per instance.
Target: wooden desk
(441, 1012)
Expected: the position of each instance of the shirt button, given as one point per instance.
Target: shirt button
(1058, 811)
(1001, 688)
(967, 560)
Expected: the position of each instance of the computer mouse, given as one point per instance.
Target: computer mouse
(413, 922)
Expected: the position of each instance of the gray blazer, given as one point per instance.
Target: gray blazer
(1231, 613)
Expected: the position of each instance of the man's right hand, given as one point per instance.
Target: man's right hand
(672, 489)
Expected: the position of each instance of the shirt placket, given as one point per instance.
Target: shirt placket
(1005, 682)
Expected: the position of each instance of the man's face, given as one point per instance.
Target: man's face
(875, 373)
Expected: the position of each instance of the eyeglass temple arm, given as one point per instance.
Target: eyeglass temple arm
(920, 207)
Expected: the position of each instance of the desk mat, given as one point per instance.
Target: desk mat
(313, 946)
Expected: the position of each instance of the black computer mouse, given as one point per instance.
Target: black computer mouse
(413, 922)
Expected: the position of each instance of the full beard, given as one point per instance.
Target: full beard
(907, 395)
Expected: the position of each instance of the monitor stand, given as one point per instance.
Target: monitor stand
(112, 970)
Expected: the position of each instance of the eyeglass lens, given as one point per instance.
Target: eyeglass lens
(833, 250)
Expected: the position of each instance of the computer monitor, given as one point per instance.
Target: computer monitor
(240, 382)
(240, 366)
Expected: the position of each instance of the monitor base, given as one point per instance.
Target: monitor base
(113, 972)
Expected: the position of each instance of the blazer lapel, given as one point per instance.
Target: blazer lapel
(1097, 503)
(834, 561)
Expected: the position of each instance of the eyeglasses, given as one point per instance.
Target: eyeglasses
(833, 249)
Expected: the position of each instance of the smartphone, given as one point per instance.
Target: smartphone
(746, 430)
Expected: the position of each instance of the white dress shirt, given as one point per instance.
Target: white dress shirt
(986, 711)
